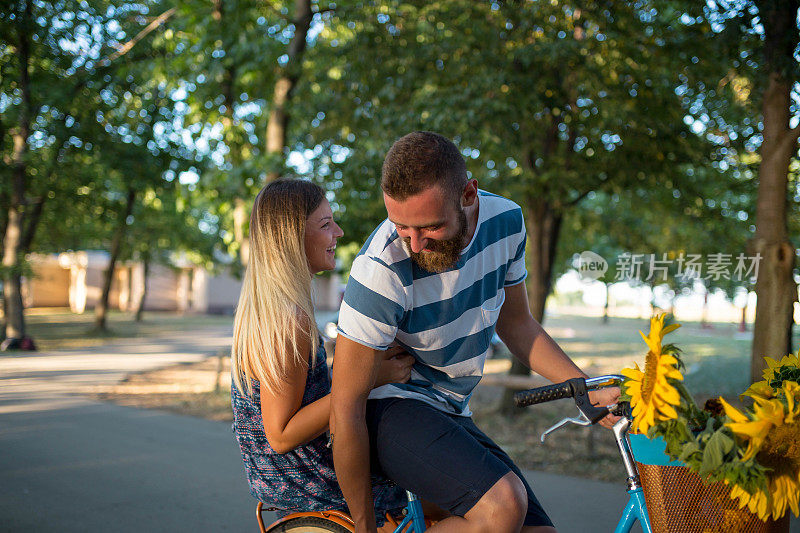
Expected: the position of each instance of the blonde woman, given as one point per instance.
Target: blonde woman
(281, 385)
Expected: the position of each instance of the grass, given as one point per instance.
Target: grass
(201, 389)
(717, 359)
(58, 329)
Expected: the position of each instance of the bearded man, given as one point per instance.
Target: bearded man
(437, 277)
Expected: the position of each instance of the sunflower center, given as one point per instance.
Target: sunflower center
(780, 451)
(650, 376)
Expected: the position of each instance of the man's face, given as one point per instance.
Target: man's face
(432, 225)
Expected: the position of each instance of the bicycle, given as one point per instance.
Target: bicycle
(578, 389)
(413, 520)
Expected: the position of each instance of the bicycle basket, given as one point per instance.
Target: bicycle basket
(678, 501)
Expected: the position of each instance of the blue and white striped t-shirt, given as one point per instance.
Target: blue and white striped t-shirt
(445, 320)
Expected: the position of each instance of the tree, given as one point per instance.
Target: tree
(239, 63)
(674, 240)
(759, 45)
(141, 154)
(287, 78)
(775, 287)
(52, 53)
(101, 128)
(549, 102)
(14, 223)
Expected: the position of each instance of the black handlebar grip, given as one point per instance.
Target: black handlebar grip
(547, 393)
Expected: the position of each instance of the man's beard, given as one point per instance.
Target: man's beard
(444, 253)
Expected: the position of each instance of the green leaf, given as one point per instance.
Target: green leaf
(715, 451)
(689, 449)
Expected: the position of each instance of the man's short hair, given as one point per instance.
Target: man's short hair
(420, 160)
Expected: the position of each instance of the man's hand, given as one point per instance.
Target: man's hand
(602, 398)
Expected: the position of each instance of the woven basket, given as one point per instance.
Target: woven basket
(679, 502)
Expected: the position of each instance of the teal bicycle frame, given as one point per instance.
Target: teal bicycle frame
(636, 509)
(413, 515)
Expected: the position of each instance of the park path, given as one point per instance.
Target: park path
(40, 380)
(71, 464)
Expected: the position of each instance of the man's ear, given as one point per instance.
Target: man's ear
(470, 193)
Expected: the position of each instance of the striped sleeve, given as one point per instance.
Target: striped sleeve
(517, 272)
(373, 304)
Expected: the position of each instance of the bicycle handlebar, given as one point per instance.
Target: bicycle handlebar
(543, 394)
(572, 388)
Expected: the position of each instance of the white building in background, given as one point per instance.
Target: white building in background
(75, 280)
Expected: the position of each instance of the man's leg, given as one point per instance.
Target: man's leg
(536, 520)
(428, 452)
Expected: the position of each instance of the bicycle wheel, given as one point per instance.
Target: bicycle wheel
(309, 524)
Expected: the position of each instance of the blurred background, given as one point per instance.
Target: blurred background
(659, 136)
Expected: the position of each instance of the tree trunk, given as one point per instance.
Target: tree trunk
(743, 322)
(652, 286)
(12, 282)
(108, 277)
(228, 91)
(605, 306)
(776, 290)
(278, 115)
(282, 92)
(543, 225)
(32, 217)
(13, 237)
(5, 203)
(239, 234)
(140, 305)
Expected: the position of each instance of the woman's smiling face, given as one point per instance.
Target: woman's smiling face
(322, 232)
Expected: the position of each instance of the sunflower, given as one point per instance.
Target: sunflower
(777, 371)
(772, 433)
(652, 394)
(787, 369)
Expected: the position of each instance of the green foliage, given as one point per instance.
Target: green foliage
(104, 123)
(557, 106)
(636, 128)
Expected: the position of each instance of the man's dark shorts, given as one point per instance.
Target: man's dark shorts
(442, 458)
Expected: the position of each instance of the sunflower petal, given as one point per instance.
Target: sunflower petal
(670, 328)
(733, 413)
(653, 345)
(759, 389)
(669, 412)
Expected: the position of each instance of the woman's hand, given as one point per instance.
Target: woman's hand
(395, 366)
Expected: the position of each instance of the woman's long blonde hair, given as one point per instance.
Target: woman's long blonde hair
(275, 307)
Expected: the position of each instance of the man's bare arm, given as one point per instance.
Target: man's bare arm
(530, 343)
(354, 372)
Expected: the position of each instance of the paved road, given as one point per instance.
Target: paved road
(70, 464)
(73, 465)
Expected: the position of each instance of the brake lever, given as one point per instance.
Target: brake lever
(616, 409)
(580, 420)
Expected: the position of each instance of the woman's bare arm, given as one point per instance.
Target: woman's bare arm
(288, 426)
